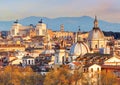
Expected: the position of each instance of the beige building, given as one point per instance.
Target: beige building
(12, 47)
(62, 33)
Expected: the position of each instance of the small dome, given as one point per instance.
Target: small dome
(95, 33)
(79, 49)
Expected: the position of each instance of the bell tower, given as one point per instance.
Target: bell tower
(61, 27)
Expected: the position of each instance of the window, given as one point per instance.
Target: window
(91, 69)
(43, 32)
(25, 61)
(32, 62)
(97, 69)
(101, 46)
(63, 60)
(57, 59)
(96, 46)
(28, 61)
(84, 70)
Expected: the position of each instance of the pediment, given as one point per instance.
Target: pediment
(113, 59)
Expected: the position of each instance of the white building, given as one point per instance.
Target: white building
(28, 60)
(41, 29)
(114, 61)
(19, 30)
(15, 28)
(60, 56)
(18, 58)
(92, 74)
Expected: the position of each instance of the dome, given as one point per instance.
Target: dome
(79, 48)
(95, 33)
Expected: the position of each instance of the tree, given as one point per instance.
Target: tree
(63, 76)
(14, 75)
(59, 76)
(108, 78)
(78, 75)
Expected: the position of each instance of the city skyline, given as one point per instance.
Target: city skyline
(104, 9)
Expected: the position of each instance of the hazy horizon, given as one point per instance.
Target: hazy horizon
(107, 10)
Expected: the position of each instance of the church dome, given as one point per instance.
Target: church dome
(95, 33)
(79, 49)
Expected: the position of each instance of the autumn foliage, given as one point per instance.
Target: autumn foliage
(14, 75)
(62, 76)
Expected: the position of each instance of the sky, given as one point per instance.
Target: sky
(108, 10)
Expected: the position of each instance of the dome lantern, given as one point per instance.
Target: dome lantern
(79, 38)
(95, 22)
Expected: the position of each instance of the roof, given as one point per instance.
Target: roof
(76, 63)
(113, 59)
(79, 48)
(89, 65)
(111, 67)
(95, 33)
(27, 57)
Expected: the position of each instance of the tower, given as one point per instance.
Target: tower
(41, 28)
(60, 54)
(61, 27)
(78, 36)
(15, 29)
(96, 38)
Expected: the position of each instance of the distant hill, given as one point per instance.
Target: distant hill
(70, 23)
(110, 33)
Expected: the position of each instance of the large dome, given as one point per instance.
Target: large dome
(95, 34)
(79, 49)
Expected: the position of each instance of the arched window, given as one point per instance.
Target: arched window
(96, 46)
(28, 62)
